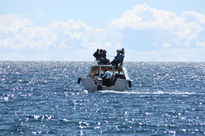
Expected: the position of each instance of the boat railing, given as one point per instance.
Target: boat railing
(96, 62)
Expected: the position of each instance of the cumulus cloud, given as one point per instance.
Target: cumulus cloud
(8, 19)
(193, 16)
(144, 17)
(170, 33)
(182, 29)
(166, 45)
(23, 33)
(171, 54)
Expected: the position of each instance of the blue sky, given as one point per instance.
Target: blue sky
(149, 30)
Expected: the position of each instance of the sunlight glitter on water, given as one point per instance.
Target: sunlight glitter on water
(43, 98)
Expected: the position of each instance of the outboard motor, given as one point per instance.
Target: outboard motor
(99, 84)
(130, 83)
(79, 79)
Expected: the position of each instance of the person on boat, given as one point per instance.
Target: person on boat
(114, 61)
(122, 51)
(97, 55)
(106, 61)
(106, 77)
(118, 60)
(103, 58)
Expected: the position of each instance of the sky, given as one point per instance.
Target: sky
(71, 30)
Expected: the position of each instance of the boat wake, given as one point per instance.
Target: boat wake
(155, 92)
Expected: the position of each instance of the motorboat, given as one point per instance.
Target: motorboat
(94, 80)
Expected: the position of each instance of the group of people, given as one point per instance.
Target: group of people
(100, 56)
(117, 62)
(109, 78)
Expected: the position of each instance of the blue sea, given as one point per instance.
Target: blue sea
(43, 98)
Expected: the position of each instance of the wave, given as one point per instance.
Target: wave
(155, 92)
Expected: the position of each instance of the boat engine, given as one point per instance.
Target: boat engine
(79, 79)
(99, 84)
(130, 83)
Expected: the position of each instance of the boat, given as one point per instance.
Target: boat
(118, 81)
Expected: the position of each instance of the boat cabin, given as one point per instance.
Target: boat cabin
(98, 71)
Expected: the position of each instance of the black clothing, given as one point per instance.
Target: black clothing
(97, 55)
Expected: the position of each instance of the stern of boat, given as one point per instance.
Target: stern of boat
(89, 84)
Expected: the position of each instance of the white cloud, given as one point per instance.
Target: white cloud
(202, 44)
(185, 29)
(145, 17)
(176, 35)
(173, 55)
(193, 16)
(69, 34)
(8, 19)
(166, 45)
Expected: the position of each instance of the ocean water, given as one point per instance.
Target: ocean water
(43, 98)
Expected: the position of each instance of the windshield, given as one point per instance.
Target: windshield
(108, 69)
(94, 71)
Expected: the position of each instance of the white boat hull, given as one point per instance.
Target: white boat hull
(118, 81)
(120, 85)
